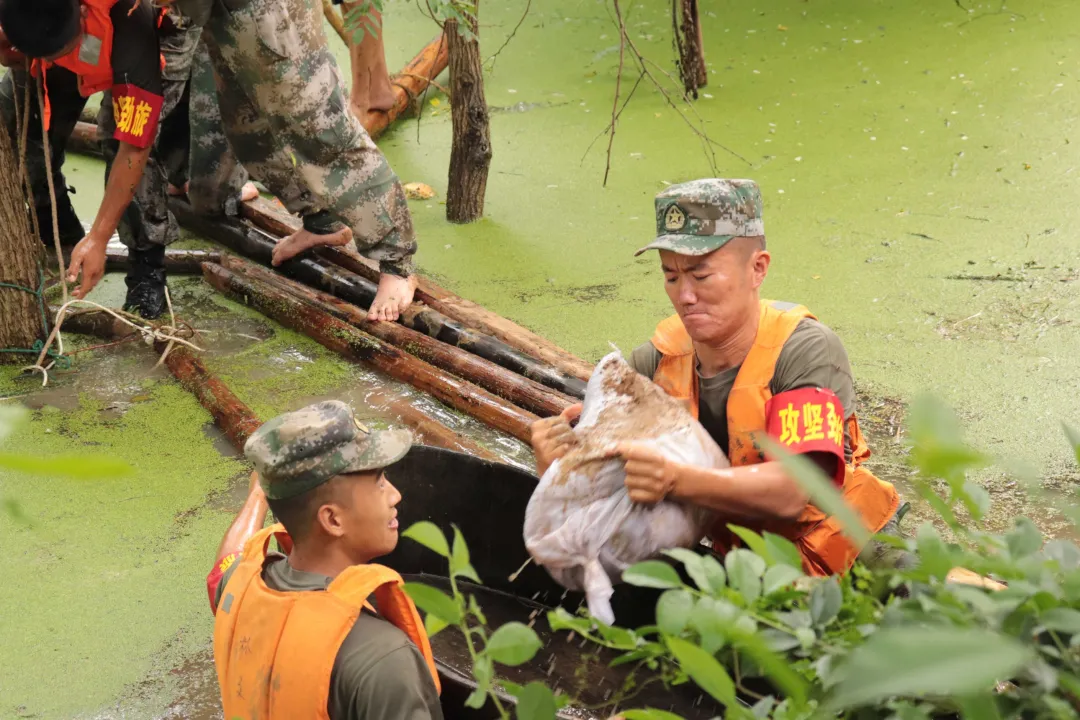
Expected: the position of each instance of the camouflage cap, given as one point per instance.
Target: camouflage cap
(300, 450)
(697, 217)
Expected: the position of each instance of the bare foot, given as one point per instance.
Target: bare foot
(178, 192)
(395, 294)
(303, 240)
(249, 192)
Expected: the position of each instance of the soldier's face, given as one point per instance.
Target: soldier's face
(369, 518)
(714, 294)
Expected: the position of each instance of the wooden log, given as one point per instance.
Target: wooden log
(177, 262)
(84, 140)
(257, 245)
(233, 417)
(519, 390)
(413, 79)
(266, 216)
(429, 431)
(352, 343)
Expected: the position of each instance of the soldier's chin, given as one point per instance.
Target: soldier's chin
(701, 327)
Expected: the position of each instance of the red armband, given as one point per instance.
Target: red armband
(213, 580)
(808, 420)
(136, 113)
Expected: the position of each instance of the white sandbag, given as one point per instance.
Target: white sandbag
(580, 523)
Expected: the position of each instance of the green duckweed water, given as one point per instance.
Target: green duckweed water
(918, 163)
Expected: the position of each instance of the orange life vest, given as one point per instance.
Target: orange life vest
(275, 651)
(824, 547)
(91, 58)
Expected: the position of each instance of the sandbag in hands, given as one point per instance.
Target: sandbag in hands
(580, 523)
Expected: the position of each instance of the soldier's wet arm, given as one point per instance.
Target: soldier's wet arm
(250, 520)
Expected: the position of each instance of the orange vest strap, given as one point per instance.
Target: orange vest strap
(824, 547)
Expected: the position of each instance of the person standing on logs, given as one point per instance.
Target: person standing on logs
(746, 367)
(287, 119)
(295, 635)
(78, 49)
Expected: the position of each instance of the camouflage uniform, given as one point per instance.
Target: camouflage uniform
(298, 451)
(287, 119)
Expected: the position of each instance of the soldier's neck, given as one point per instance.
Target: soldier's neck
(716, 357)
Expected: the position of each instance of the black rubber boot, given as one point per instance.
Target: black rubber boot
(71, 230)
(146, 283)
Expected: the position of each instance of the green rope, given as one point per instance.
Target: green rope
(62, 361)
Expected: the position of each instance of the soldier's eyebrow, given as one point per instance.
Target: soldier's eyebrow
(691, 268)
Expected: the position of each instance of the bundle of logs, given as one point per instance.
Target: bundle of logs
(465, 356)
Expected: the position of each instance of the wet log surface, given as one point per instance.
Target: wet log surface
(521, 391)
(257, 245)
(355, 344)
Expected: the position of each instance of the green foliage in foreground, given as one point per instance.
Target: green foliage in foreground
(768, 642)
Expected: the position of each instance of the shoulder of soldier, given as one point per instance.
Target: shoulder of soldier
(814, 356)
(813, 340)
(645, 359)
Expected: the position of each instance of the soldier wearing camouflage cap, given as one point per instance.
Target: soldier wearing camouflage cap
(287, 627)
(746, 368)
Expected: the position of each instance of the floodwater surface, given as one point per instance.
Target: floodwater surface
(918, 162)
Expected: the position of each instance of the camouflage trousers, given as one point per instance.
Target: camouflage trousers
(287, 118)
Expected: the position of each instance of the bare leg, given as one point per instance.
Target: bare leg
(370, 77)
(303, 240)
(395, 294)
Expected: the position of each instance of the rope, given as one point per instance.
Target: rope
(38, 348)
(52, 187)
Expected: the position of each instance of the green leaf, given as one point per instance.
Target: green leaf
(782, 551)
(560, 619)
(976, 499)
(912, 661)
(513, 644)
(935, 558)
(82, 467)
(778, 577)
(1070, 432)
(536, 702)
(652, 573)
(649, 714)
(1061, 619)
(477, 697)
(710, 619)
(430, 536)
(744, 569)
(673, 611)
(938, 447)
(754, 542)
(434, 601)
(1064, 553)
(703, 669)
(1024, 539)
(825, 601)
(821, 489)
(714, 573)
(695, 567)
(459, 559)
(777, 669)
(434, 625)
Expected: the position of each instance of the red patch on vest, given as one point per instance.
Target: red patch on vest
(808, 420)
(136, 113)
(214, 578)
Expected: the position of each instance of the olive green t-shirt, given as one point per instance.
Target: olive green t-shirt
(378, 674)
(812, 357)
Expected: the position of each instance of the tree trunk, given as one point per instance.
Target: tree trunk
(22, 319)
(470, 153)
(688, 44)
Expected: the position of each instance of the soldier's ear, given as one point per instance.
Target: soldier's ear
(759, 264)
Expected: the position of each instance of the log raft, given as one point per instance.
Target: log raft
(257, 245)
(357, 345)
(521, 391)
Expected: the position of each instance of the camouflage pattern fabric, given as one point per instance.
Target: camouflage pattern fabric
(215, 174)
(300, 450)
(698, 217)
(287, 118)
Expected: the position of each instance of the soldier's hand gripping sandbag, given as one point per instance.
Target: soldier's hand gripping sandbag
(580, 523)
